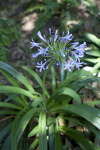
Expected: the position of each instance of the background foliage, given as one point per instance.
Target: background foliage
(9, 33)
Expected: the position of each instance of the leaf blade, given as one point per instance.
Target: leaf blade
(16, 74)
(42, 131)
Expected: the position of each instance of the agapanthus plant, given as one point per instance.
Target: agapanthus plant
(38, 117)
(59, 50)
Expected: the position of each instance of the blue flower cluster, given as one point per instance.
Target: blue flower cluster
(58, 49)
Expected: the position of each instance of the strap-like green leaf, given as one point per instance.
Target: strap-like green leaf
(51, 137)
(15, 83)
(24, 121)
(11, 89)
(93, 52)
(91, 103)
(83, 111)
(35, 75)
(8, 112)
(58, 142)
(75, 76)
(96, 66)
(79, 138)
(92, 128)
(91, 60)
(92, 38)
(9, 105)
(16, 74)
(15, 127)
(4, 132)
(20, 125)
(6, 144)
(81, 83)
(9, 77)
(92, 109)
(34, 131)
(42, 132)
(67, 91)
(16, 98)
(34, 144)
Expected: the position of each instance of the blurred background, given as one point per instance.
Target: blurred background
(21, 20)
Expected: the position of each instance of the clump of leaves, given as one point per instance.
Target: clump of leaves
(45, 116)
(92, 55)
(33, 113)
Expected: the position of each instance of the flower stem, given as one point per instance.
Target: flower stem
(62, 71)
(44, 78)
(46, 71)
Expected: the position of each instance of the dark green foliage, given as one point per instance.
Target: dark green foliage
(4, 53)
(48, 8)
(41, 113)
(68, 13)
(64, 9)
(9, 32)
(92, 56)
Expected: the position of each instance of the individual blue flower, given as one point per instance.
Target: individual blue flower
(35, 55)
(41, 65)
(78, 65)
(50, 31)
(75, 44)
(68, 37)
(33, 44)
(40, 36)
(56, 35)
(77, 56)
(68, 66)
(43, 51)
(81, 47)
(75, 63)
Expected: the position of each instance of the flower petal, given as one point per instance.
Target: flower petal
(62, 53)
(40, 36)
(56, 35)
(35, 55)
(50, 31)
(68, 66)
